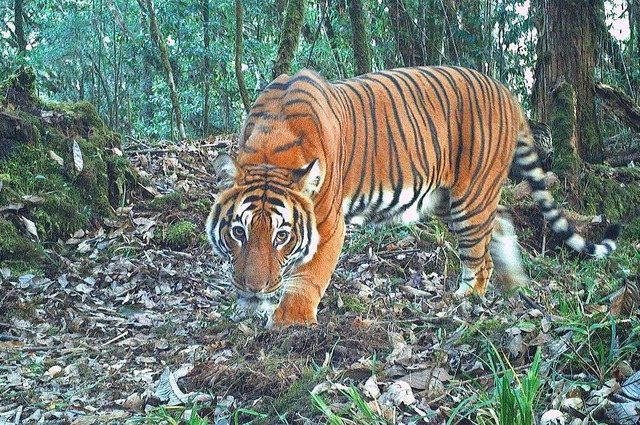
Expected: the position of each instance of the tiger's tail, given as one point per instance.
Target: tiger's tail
(527, 164)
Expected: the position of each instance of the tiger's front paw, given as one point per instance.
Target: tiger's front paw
(292, 312)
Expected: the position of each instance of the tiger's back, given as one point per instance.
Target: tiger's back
(393, 145)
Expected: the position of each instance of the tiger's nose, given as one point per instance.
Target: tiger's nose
(254, 285)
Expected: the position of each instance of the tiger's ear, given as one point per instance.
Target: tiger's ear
(226, 169)
(309, 178)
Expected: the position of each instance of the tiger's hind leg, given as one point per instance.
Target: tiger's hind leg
(506, 253)
(474, 236)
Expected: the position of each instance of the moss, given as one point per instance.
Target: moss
(72, 199)
(611, 192)
(16, 248)
(565, 162)
(296, 399)
(202, 206)
(351, 303)
(180, 235)
(171, 201)
(21, 85)
(631, 230)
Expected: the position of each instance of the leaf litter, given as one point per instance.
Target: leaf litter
(124, 324)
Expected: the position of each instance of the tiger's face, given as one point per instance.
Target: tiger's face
(264, 224)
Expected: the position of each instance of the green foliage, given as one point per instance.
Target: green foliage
(357, 410)
(86, 51)
(180, 235)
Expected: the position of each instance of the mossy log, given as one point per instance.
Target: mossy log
(37, 162)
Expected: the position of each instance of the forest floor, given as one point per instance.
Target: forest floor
(127, 329)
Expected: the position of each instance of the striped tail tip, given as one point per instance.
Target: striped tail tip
(612, 232)
(608, 244)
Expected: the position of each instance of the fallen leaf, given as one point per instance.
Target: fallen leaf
(78, 161)
(371, 388)
(30, 226)
(625, 300)
(12, 207)
(57, 158)
(397, 394)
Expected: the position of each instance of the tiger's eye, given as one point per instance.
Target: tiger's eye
(238, 233)
(282, 236)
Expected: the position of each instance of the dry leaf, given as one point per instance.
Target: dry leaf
(631, 387)
(371, 388)
(33, 199)
(78, 162)
(552, 417)
(397, 394)
(30, 226)
(57, 158)
(625, 300)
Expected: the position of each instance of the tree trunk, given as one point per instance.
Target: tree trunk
(405, 33)
(156, 35)
(564, 133)
(331, 37)
(634, 40)
(238, 60)
(451, 28)
(206, 22)
(361, 53)
(290, 36)
(566, 53)
(18, 16)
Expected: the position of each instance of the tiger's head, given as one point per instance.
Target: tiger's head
(263, 222)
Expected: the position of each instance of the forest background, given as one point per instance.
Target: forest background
(109, 51)
(125, 281)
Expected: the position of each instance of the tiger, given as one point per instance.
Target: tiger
(391, 146)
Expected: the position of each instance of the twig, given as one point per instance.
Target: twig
(149, 150)
(5, 338)
(111, 341)
(529, 301)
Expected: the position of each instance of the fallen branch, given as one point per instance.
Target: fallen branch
(623, 158)
(621, 105)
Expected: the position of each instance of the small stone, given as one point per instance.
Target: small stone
(54, 371)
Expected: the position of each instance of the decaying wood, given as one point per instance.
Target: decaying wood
(619, 104)
(623, 158)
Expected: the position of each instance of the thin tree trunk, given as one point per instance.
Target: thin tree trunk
(290, 36)
(116, 78)
(566, 53)
(331, 36)
(206, 66)
(405, 33)
(18, 16)
(238, 60)
(156, 35)
(361, 53)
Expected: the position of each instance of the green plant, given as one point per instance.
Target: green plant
(172, 415)
(513, 398)
(357, 410)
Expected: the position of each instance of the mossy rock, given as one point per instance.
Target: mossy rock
(171, 201)
(38, 161)
(16, 247)
(180, 235)
(613, 192)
